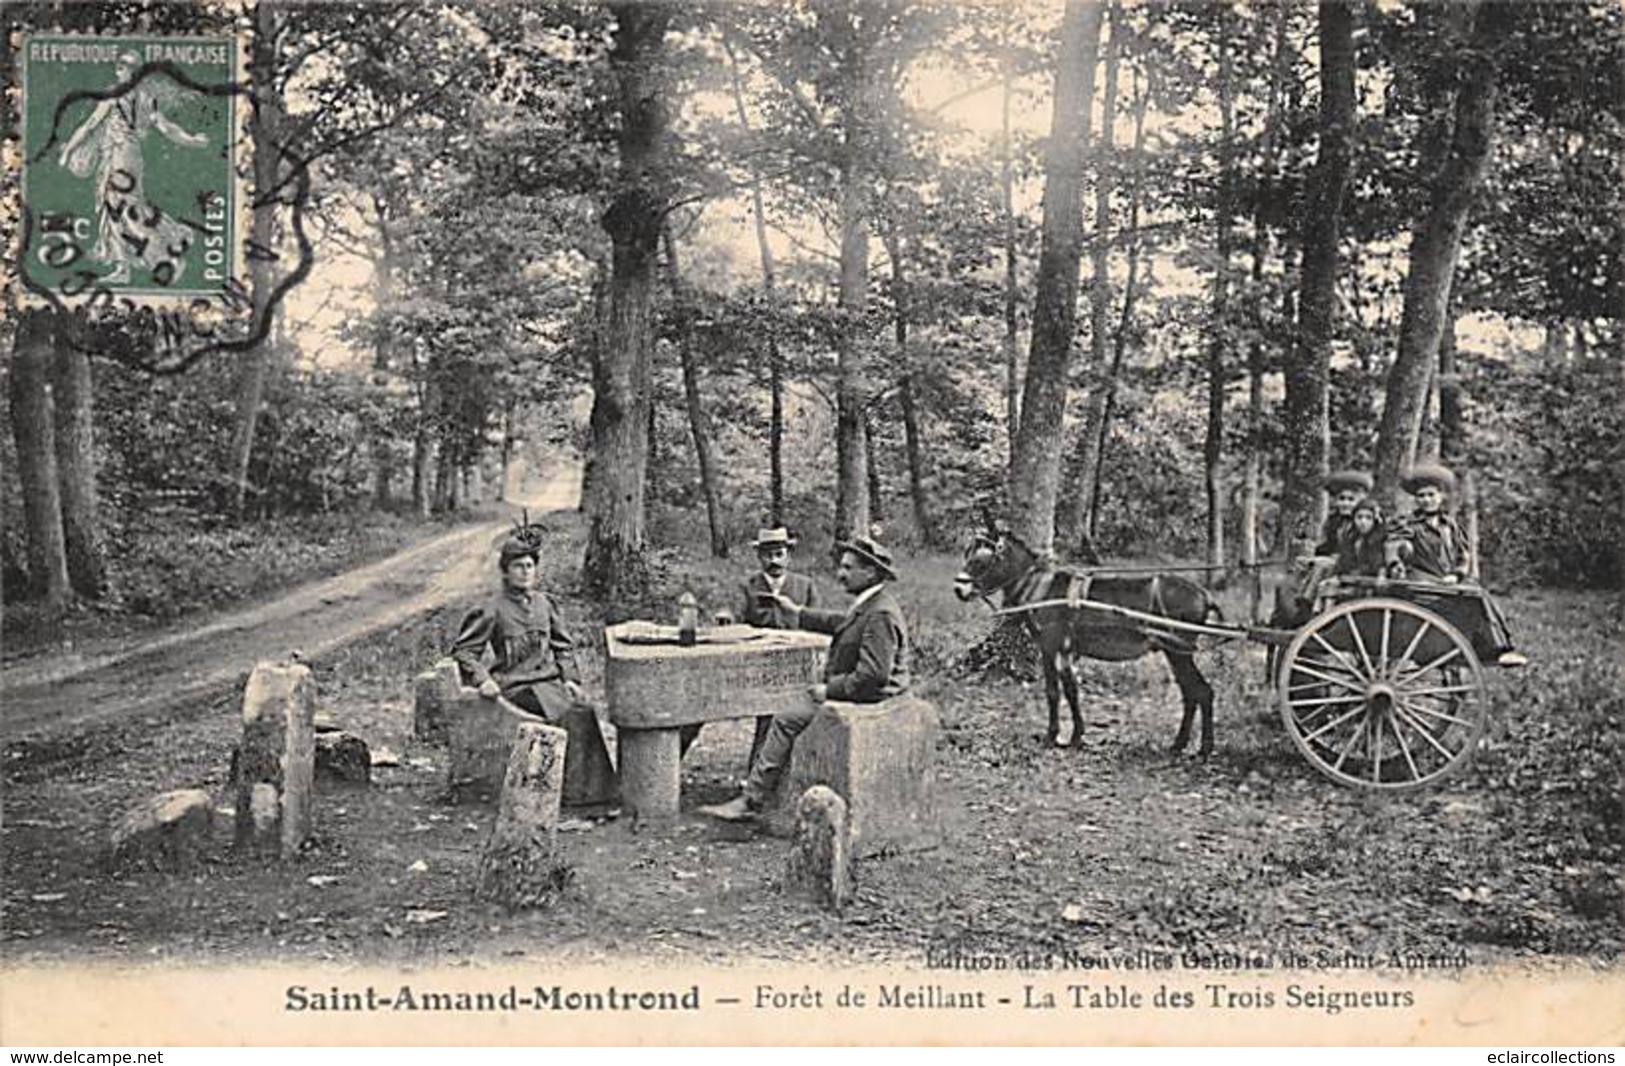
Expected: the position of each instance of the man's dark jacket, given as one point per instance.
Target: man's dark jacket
(765, 613)
(868, 659)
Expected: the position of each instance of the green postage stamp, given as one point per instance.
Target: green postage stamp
(131, 180)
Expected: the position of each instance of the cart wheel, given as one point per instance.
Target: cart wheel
(1383, 694)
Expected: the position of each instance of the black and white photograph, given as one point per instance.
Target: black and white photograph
(808, 522)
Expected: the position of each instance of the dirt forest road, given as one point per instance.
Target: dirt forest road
(73, 695)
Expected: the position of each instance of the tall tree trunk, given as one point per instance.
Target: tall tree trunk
(1012, 352)
(615, 568)
(383, 287)
(1095, 461)
(596, 430)
(1213, 444)
(506, 461)
(1435, 245)
(76, 469)
(1252, 471)
(1036, 470)
(423, 437)
(912, 444)
(1305, 413)
(32, 427)
(1074, 510)
(775, 361)
(699, 423)
(256, 364)
(876, 490)
(1452, 430)
(851, 450)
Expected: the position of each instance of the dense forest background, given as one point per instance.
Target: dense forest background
(1137, 271)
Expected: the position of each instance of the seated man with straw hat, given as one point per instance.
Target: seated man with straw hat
(1428, 544)
(867, 663)
(761, 593)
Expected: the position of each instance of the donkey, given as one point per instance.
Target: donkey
(998, 562)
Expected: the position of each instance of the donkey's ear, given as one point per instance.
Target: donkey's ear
(990, 521)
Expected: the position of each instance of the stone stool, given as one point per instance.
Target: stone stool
(480, 733)
(881, 759)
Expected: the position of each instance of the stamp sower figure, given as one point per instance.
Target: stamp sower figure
(760, 606)
(534, 667)
(110, 142)
(867, 663)
(1429, 545)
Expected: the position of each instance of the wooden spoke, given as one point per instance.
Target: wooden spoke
(1337, 653)
(1405, 749)
(1416, 640)
(1322, 700)
(1334, 723)
(1343, 681)
(1354, 738)
(1438, 690)
(1359, 644)
(1453, 653)
(1431, 713)
(1376, 746)
(1382, 648)
(1426, 734)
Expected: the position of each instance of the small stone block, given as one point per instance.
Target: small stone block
(432, 691)
(820, 866)
(276, 763)
(522, 865)
(169, 831)
(881, 759)
(343, 757)
(481, 735)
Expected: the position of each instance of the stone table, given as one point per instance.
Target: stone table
(655, 686)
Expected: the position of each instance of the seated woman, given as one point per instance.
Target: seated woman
(1428, 545)
(1361, 550)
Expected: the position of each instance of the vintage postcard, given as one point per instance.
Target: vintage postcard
(812, 523)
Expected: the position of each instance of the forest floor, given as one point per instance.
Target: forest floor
(1108, 846)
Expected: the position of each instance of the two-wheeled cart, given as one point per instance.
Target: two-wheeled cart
(1379, 689)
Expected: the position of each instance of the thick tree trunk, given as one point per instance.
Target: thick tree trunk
(1213, 444)
(1306, 413)
(1036, 469)
(852, 512)
(1075, 507)
(76, 469)
(1012, 348)
(775, 361)
(615, 568)
(877, 490)
(699, 423)
(256, 364)
(33, 429)
(1435, 244)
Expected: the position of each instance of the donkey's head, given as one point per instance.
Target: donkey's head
(994, 559)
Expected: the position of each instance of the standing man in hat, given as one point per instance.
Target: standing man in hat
(533, 666)
(1429, 544)
(867, 662)
(762, 592)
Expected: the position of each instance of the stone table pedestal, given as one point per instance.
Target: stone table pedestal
(655, 686)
